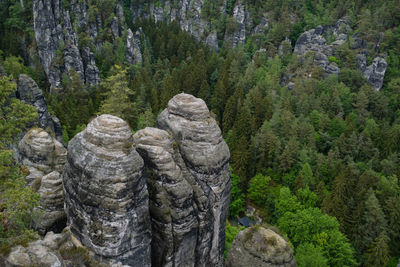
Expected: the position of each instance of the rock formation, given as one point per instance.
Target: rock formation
(190, 183)
(54, 250)
(29, 92)
(44, 157)
(314, 41)
(374, 73)
(54, 31)
(172, 208)
(106, 198)
(259, 247)
(133, 54)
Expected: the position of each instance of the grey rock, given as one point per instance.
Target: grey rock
(133, 54)
(239, 15)
(212, 40)
(54, 31)
(259, 247)
(48, 34)
(172, 208)
(115, 27)
(361, 61)
(358, 43)
(45, 158)
(332, 68)
(204, 161)
(29, 92)
(50, 212)
(375, 73)
(41, 153)
(261, 27)
(43, 256)
(18, 257)
(92, 74)
(106, 198)
(313, 41)
(35, 254)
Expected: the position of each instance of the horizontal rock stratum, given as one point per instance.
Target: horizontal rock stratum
(189, 183)
(182, 218)
(106, 198)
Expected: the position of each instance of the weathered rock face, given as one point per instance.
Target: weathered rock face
(29, 92)
(374, 73)
(106, 198)
(172, 208)
(259, 247)
(133, 54)
(44, 157)
(314, 41)
(190, 178)
(52, 26)
(239, 16)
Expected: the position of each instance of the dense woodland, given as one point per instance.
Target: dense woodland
(320, 162)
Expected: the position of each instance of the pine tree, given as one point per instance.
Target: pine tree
(119, 97)
(373, 224)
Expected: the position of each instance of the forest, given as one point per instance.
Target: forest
(319, 161)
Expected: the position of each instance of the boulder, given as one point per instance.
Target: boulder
(259, 247)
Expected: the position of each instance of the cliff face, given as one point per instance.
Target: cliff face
(193, 176)
(29, 92)
(106, 198)
(315, 41)
(57, 44)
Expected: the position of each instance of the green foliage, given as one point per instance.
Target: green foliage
(118, 97)
(236, 206)
(16, 201)
(230, 234)
(308, 255)
(258, 189)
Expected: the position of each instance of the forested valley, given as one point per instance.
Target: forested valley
(317, 154)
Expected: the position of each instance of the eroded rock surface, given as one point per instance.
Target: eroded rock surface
(172, 208)
(190, 178)
(259, 247)
(29, 92)
(45, 158)
(133, 54)
(106, 198)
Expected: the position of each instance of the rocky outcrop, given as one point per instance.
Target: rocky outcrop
(203, 159)
(314, 41)
(374, 73)
(92, 74)
(29, 92)
(57, 43)
(239, 18)
(44, 157)
(133, 54)
(54, 250)
(106, 198)
(172, 208)
(259, 247)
